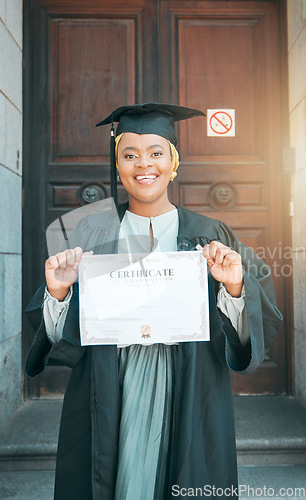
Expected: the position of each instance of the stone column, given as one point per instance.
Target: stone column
(10, 204)
(297, 107)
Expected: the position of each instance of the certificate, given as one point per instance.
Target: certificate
(143, 299)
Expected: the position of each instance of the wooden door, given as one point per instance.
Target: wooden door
(83, 59)
(228, 55)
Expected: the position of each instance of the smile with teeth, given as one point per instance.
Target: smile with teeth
(142, 177)
(145, 176)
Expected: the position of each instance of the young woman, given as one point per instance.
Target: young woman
(150, 422)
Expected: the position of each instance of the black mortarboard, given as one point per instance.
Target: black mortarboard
(148, 118)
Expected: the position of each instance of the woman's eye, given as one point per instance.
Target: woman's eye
(129, 157)
(157, 153)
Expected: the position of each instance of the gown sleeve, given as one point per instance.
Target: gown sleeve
(68, 350)
(234, 309)
(261, 312)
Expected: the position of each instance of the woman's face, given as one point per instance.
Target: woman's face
(144, 164)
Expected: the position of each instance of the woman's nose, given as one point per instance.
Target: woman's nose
(143, 162)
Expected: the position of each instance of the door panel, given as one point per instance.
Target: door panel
(219, 54)
(86, 80)
(84, 59)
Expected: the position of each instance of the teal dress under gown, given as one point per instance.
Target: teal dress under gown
(146, 375)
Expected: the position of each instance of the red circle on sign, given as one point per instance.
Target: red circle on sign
(227, 128)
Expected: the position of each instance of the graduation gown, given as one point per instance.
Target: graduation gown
(202, 452)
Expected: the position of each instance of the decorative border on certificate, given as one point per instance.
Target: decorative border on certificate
(143, 299)
(85, 336)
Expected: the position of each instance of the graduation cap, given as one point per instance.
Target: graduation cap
(148, 118)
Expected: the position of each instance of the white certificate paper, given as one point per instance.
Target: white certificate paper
(143, 299)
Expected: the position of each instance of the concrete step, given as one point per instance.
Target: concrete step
(273, 482)
(27, 485)
(28, 441)
(270, 430)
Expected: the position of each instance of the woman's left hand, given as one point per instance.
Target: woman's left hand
(225, 266)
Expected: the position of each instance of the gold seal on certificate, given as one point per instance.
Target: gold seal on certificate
(145, 330)
(143, 299)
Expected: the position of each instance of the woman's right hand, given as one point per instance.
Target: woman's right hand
(61, 271)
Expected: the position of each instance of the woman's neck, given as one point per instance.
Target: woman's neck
(149, 209)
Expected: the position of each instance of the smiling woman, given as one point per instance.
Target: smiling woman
(145, 168)
(139, 419)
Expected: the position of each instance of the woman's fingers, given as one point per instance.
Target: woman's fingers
(70, 257)
(51, 263)
(66, 261)
(213, 252)
(62, 259)
(231, 258)
(78, 254)
(225, 264)
(220, 254)
(207, 254)
(217, 253)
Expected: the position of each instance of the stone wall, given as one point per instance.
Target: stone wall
(10, 204)
(297, 107)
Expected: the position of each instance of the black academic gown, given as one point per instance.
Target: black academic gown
(202, 452)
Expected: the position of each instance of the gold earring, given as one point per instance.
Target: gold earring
(172, 176)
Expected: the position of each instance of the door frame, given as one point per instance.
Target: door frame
(33, 182)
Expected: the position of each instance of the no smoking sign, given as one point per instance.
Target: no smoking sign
(221, 123)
